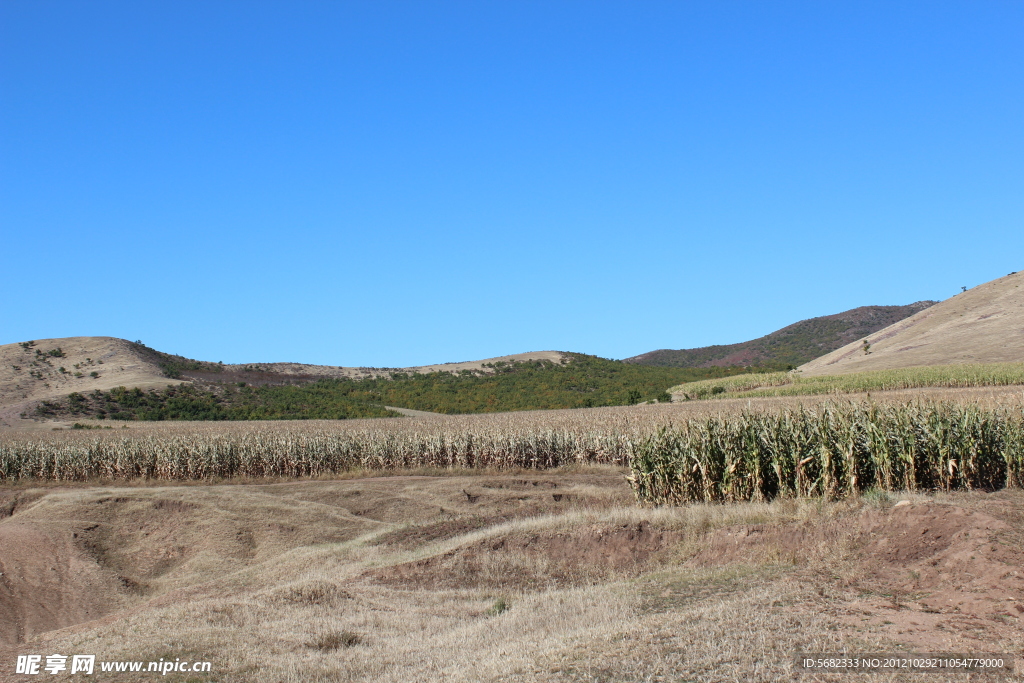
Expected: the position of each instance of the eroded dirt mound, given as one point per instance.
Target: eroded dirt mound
(922, 570)
(937, 545)
(70, 556)
(250, 575)
(939, 569)
(540, 559)
(74, 554)
(47, 582)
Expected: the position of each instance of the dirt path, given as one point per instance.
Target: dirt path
(408, 412)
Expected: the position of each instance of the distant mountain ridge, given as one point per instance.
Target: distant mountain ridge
(793, 345)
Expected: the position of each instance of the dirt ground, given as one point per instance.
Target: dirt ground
(552, 576)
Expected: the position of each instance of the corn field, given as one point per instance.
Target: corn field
(677, 453)
(301, 451)
(794, 384)
(834, 450)
(212, 450)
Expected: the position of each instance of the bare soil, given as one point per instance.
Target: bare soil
(537, 560)
(937, 575)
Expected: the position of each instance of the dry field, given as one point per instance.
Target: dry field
(638, 418)
(551, 576)
(527, 440)
(496, 574)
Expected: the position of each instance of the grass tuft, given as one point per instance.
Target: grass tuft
(336, 641)
(500, 606)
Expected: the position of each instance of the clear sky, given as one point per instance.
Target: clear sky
(401, 183)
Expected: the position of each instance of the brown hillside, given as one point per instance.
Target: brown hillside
(981, 325)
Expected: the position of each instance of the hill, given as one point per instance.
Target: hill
(981, 325)
(791, 346)
(107, 378)
(41, 369)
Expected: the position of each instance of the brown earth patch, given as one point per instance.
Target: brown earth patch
(248, 574)
(47, 582)
(540, 559)
(932, 575)
(78, 554)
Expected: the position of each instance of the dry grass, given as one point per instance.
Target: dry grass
(571, 634)
(311, 614)
(310, 604)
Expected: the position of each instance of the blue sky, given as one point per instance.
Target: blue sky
(401, 183)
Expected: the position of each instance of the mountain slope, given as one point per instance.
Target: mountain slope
(981, 325)
(792, 345)
(296, 370)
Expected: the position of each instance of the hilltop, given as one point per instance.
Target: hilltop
(85, 376)
(792, 345)
(41, 369)
(304, 371)
(981, 325)
(579, 381)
